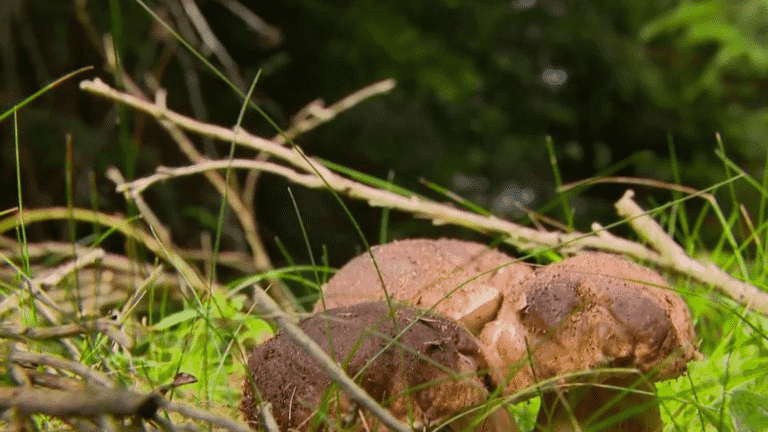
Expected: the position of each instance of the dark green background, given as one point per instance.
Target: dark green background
(470, 112)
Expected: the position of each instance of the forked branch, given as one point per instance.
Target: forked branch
(309, 172)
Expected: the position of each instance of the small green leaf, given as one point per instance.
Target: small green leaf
(257, 329)
(176, 318)
(37, 94)
(749, 410)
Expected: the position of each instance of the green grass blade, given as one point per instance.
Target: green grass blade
(42, 91)
(681, 216)
(228, 175)
(21, 227)
(305, 236)
(366, 178)
(453, 196)
(730, 164)
(385, 212)
(567, 212)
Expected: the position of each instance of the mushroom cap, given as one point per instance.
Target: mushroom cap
(422, 272)
(591, 311)
(295, 384)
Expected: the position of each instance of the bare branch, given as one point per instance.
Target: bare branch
(315, 114)
(62, 364)
(158, 111)
(55, 276)
(272, 35)
(311, 173)
(98, 397)
(676, 259)
(90, 401)
(165, 173)
(106, 327)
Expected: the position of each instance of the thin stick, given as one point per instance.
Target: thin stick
(56, 275)
(62, 364)
(315, 114)
(89, 401)
(206, 416)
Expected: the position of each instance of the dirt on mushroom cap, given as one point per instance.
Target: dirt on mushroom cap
(422, 271)
(591, 311)
(294, 383)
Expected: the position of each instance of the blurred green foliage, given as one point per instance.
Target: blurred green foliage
(480, 85)
(727, 43)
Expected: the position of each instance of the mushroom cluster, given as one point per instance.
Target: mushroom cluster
(565, 327)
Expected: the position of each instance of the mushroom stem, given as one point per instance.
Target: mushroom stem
(617, 404)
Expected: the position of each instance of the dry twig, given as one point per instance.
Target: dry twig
(97, 398)
(677, 260)
(89, 401)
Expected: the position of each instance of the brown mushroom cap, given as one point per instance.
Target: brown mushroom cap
(588, 312)
(295, 384)
(421, 272)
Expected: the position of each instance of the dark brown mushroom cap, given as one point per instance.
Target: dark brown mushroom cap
(294, 383)
(591, 311)
(422, 271)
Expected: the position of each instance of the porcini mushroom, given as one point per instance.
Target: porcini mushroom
(426, 376)
(588, 313)
(461, 280)
(464, 280)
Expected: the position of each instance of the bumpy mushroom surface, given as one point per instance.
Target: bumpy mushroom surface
(435, 356)
(589, 312)
(425, 273)
(586, 313)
